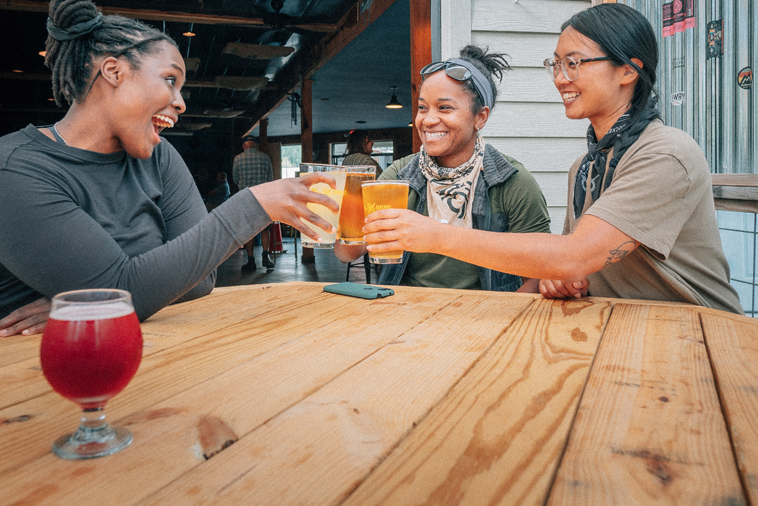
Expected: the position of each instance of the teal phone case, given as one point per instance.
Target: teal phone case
(360, 291)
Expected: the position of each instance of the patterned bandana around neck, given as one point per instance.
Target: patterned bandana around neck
(620, 137)
(450, 190)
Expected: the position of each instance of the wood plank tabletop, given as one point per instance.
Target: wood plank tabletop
(283, 394)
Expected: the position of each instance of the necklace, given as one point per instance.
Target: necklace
(59, 135)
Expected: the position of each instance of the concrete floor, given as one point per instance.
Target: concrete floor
(326, 269)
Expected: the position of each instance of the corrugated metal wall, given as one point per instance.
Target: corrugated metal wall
(715, 110)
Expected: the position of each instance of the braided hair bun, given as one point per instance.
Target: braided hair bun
(490, 64)
(71, 57)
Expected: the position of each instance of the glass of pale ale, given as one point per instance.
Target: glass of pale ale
(91, 349)
(385, 194)
(351, 211)
(338, 173)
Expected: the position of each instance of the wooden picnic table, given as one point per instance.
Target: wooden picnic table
(282, 394)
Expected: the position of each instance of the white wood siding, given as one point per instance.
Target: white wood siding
(528, 122)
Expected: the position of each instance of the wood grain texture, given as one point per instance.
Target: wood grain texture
(748, 180)
(317, 451)
(736, 193)
(215, 332)
(733, 349)
(649, 429)
(283, 394)
(19, 349)
(739, 206)
(22, 378)
(276, 362)
(498, 435)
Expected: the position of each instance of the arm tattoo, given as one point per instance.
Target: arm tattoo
(617, 254)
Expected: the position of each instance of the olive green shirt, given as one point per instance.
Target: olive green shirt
(519, 198)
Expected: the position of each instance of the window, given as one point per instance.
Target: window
(291, 158)
(383, 152)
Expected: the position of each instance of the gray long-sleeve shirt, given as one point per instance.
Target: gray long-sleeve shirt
(72, 219)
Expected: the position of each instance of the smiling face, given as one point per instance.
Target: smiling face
(602, 92)
(148, 100)
(444, 121)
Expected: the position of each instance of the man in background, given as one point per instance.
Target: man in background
(219, 194)
(250, 168)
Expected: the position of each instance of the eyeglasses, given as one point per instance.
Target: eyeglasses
(569, 66)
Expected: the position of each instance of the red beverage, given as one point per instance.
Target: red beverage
(90, 354)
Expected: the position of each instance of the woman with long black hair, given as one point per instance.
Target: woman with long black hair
(640, 218)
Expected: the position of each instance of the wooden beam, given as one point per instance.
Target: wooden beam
(24, 76)
(306, 120)
(240, 83)
(738, 206)
(421, 54)
(257, 51)
(735, 192)
(223, 81)
(171, 16)
(306, 140)
(348, 28)
(734, 180)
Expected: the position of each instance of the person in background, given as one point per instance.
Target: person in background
(459, 180)
(114, 197)
(640, 221)
(252, 168)
(219, 194)
(358, 152)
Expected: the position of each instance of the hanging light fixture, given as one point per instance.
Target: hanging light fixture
(190, 33)
(393, 103)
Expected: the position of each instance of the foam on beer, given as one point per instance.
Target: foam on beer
(92, 312)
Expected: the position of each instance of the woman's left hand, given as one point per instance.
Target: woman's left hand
(556, 289)
(394, 229)
(26, 320)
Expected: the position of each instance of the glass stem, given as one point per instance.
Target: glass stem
(93, 427)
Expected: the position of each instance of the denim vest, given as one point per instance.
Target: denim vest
(497, 169)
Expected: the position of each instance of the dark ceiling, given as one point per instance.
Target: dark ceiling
(239, 65)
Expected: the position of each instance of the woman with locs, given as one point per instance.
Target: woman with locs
(640, 221)
(99, 199)
(460, 180)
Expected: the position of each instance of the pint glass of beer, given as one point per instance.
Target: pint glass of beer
(338, 173)
(351, 210)
(385, 194)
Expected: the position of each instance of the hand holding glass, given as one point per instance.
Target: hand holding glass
(352, 214)
(336, 194)
(91, 349)
(385, 194)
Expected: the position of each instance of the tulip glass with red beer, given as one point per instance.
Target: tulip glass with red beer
(91, 349)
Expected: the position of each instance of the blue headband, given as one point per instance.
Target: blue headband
(76, 30)
(481, 83)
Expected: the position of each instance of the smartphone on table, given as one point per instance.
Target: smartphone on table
(359, 290)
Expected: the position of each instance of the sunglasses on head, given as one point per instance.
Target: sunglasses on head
(453, 70)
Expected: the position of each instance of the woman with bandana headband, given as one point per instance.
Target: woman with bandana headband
(459, 180)
(99, 199)
(640, 220)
